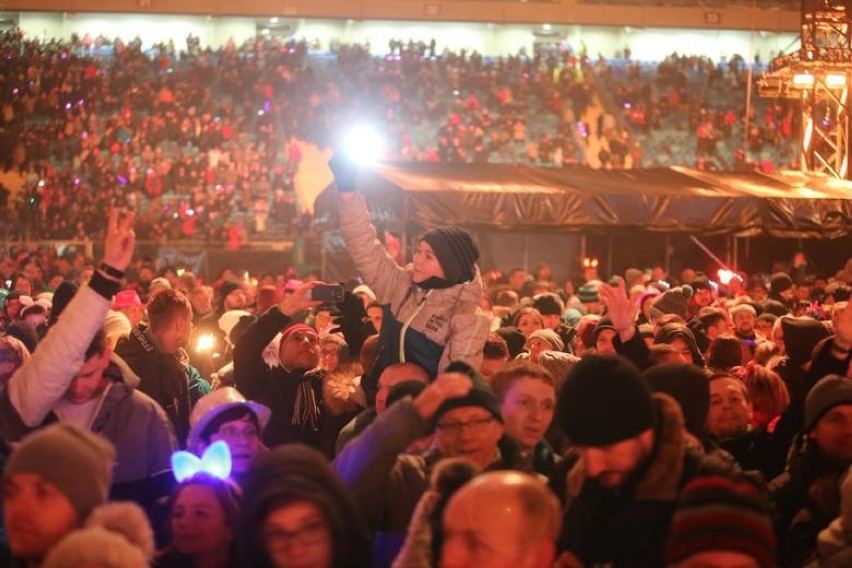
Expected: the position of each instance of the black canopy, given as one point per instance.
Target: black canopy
(673, 199)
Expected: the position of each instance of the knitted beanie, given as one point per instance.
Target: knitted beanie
(604, 324)
(480, 395)
(801, 336)
(288, 331)
(672, 301)
(116, 323)
(604, 401)
(688, 385)
(548, 304)
(588, 293)
(717, 513)
(830, 391)
(78, 462)
(550, 337)
(780, 282)
(456, 252)
(514, 338)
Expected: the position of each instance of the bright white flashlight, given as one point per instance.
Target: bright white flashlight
(205, 343)
(363, 144)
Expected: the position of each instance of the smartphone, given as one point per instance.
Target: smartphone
(328, 293)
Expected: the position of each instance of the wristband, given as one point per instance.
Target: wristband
(111, 271)
(104, 287)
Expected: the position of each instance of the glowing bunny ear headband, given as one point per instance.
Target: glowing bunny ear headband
(216, 461)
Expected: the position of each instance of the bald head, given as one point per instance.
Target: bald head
(501, 518)
(392, 376)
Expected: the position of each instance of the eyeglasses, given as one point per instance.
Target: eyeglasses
(310, 534)
(475, 426)
(233, 433)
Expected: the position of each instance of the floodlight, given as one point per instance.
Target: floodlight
(835, 80)
(803, 80)
(363, 144)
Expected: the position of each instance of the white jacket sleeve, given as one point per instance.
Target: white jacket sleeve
(377, 268)
(42, 380)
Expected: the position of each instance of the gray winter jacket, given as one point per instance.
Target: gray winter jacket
(429, 327)
(132, 421)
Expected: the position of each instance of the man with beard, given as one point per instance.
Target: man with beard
(627, 467)
(743, 317)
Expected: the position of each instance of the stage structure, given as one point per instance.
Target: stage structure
(819, 75)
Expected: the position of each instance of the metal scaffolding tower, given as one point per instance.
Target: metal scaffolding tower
(819, 75)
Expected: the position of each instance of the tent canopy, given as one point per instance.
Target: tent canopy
(673, 199)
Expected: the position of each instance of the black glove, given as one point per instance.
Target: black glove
(345, 172)
(353, 323)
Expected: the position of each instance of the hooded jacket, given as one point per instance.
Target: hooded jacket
(807, 496)
(134, 423)
(427, 327)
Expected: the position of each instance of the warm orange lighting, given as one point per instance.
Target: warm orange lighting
(802, 80)
(809, 131)
(835, 80)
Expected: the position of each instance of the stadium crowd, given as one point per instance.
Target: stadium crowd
(430, 414)
(204, 144)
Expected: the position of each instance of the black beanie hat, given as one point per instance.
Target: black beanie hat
(780, 282)
(828, 392)
(514, 338)
(604, 401)
(774, 307)
(480, 395)
(689, 386)
(225, 289)
(548, 304)
(456, 252)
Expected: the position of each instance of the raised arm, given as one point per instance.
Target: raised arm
(375, 265)
(248, 352)
(366, 462)
(42, 380)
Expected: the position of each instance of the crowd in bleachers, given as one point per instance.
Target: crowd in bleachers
(204, 143)
(691, 110)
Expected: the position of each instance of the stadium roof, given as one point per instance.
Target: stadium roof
(672, 199)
